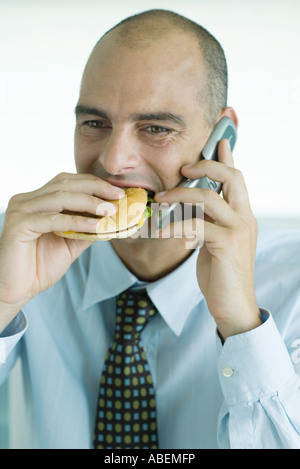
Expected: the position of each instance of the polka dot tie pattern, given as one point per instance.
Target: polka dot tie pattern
(126, 416)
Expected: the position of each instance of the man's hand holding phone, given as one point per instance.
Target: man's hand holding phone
(32, 257)
(225, 268)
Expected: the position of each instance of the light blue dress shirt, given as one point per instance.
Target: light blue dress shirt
(243, 394)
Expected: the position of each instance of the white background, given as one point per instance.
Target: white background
(44, 46)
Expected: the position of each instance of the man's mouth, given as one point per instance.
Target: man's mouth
(151, 195)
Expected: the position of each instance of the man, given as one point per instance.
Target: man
(152, 91)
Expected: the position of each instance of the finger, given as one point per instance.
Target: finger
(197, 231)
(233, 184)
(34, 225)
(88, 184)
(225, 153)
(77, 246)
(82, 183)
(214, 206)
(60, 201)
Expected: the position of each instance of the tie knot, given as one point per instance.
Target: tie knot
(134, 311)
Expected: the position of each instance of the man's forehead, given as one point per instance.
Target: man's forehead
(166, 76)
(168, 51)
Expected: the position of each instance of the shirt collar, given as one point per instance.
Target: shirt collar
(177, 293)
(107, 275)
(174, 295)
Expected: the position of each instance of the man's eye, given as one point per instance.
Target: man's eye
(95, 124)
(157, 129)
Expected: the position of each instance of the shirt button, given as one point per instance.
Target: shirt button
(227, 371)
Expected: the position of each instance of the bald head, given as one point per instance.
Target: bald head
(155, 26)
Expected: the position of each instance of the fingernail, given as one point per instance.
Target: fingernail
(105, 209)
(119, 191)
(160, 194)
(92, 221)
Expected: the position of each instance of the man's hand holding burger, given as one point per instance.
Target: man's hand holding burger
(32, 257)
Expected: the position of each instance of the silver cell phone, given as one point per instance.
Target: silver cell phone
(225, 128)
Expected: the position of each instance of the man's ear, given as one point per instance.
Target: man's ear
(230, 112)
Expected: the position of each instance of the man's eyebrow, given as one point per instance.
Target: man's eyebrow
(160, 116)
(87, 110)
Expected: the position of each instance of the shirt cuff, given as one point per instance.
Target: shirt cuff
(253, 364)
(11, 335)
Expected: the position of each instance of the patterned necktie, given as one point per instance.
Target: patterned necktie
(126, 415)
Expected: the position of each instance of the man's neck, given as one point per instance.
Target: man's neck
(152, 259)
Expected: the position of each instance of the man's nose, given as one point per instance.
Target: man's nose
(120, 155)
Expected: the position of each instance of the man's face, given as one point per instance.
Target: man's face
(139, 114)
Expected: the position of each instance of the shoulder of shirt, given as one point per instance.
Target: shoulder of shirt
(278, 245)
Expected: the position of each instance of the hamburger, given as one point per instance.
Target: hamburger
(129, 218)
